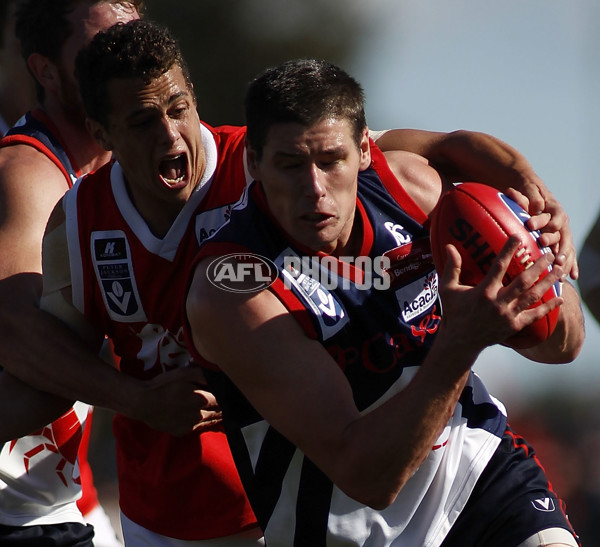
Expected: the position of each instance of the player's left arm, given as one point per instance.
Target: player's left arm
(566, 341)
(480, 157)
(425, 186)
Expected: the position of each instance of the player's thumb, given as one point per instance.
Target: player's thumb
(453, 265)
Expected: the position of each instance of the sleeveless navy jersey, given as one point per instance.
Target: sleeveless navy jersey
(379, 334)
(37, 130)
(42, 474)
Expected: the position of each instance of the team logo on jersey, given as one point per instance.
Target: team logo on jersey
(545, 505)
(114, 270)
(329, 312)
(399, 233)
(162, 349)
(418, 297)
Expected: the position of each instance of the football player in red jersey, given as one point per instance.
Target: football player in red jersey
(146, 110)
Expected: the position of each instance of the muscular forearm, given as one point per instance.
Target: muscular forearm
(24, 409)
(417, 416)
(567, 339)
(42, 352)
(465, 155)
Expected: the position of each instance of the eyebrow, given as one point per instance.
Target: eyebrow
(141, 111)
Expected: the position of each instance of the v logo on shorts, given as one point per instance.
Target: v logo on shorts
(544, 504)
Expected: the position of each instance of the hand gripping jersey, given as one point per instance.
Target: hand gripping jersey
(127, 282)
(379, 334)
(41, 475)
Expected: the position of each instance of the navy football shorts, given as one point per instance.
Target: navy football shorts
(71, 534)
(512, 500)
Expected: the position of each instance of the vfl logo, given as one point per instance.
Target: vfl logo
(242, 272)
(544, 504)
(209, 222)
(321, 302)
(114, 270)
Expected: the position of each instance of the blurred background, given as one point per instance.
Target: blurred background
(525, 71)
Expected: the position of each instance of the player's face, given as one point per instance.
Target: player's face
(154, 132)
(86, 20)
(309, 176)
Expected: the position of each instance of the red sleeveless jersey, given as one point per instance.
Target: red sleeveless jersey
(129, 284)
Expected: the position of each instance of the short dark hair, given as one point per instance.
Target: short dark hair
(137, 49)
(42, 26)
(302, 91)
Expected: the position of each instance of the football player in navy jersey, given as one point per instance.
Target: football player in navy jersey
(353, 419)
(76, 374)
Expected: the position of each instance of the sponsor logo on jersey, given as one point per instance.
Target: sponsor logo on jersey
(329, 312)
(418, 297)
(409, 261)
(545, 505)
(242, 272)
(114, 270)
(208, 223)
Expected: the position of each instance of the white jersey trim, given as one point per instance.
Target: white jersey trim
(167, 246)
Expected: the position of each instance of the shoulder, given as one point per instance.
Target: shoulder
(25, 165)
(421, 181)
(30, 186)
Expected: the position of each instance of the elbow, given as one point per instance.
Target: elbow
(373, 496)
(376, 489)
(571, 350)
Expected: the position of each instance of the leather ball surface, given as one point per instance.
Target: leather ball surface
(478, 219)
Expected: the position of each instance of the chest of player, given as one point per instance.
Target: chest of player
(377, 313)
(135, 296)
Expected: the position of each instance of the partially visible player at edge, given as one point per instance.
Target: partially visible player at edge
(46, 485)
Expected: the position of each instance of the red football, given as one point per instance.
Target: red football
(478, 219)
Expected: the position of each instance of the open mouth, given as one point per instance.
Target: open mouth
(173, 170)
(316, 217)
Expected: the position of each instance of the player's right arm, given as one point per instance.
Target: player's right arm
(298, 388)
(40, 350)
(170, 402)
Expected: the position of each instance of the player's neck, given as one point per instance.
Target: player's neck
(83, 148)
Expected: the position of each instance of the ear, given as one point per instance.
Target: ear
(365, 150)
(44, 71)
(252, 162)
(96, 130)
